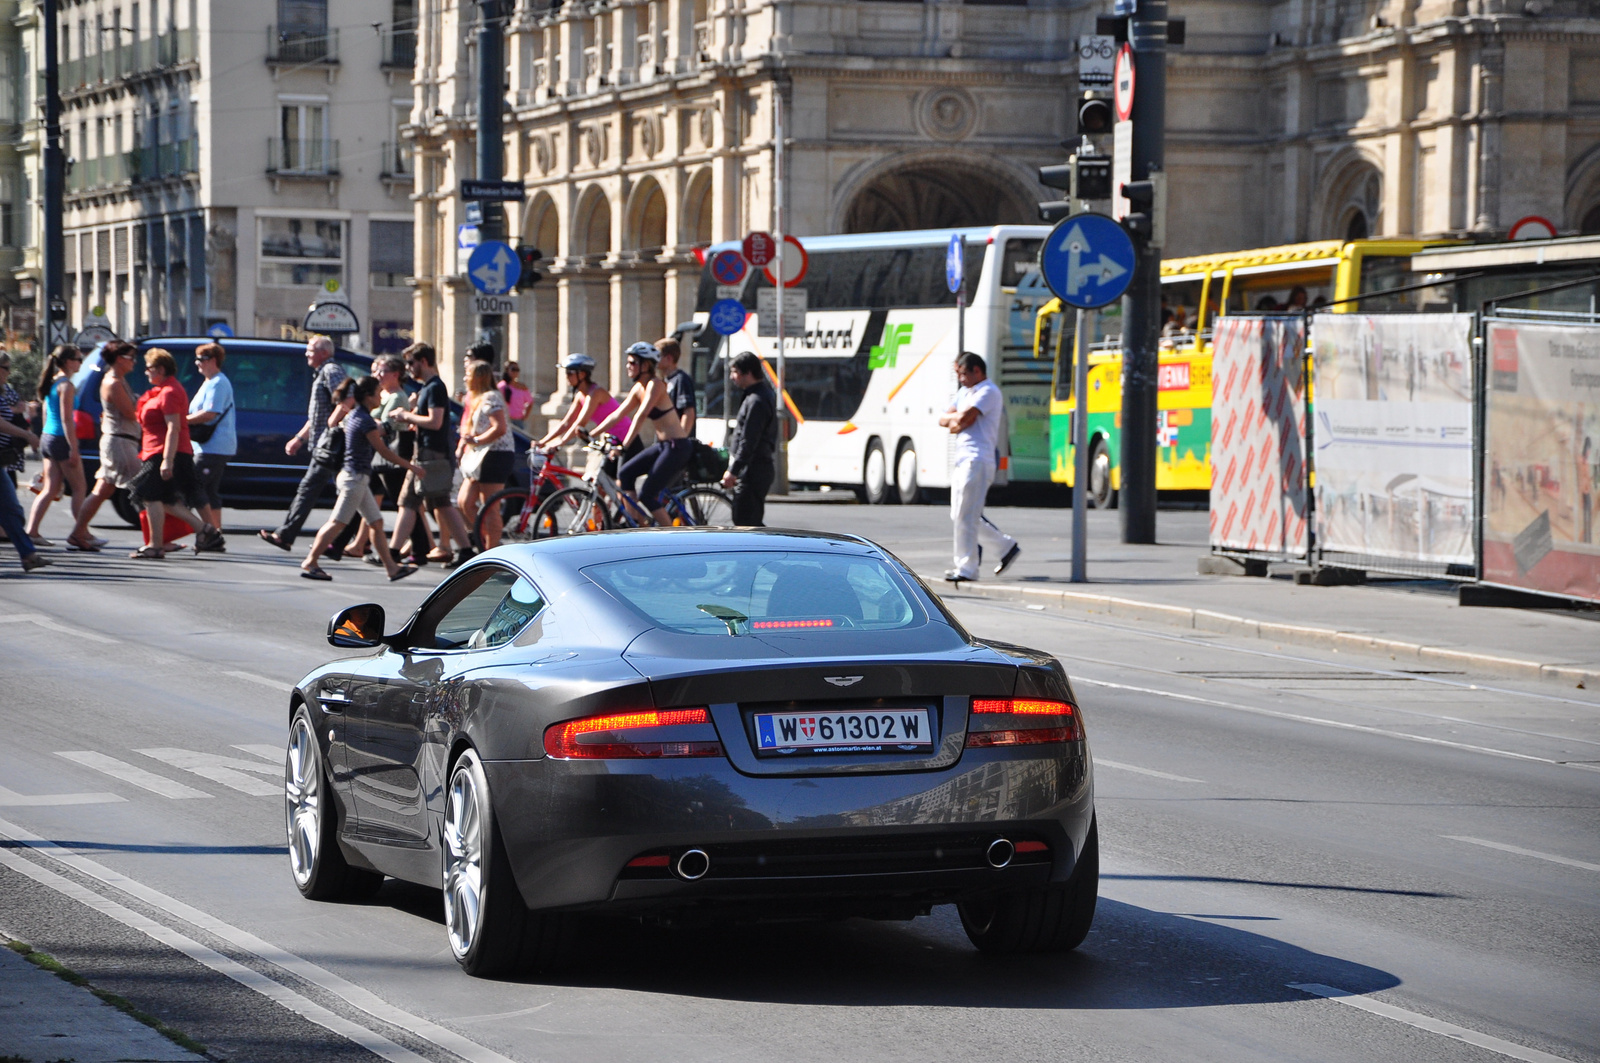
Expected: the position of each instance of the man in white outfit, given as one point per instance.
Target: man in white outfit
(974, 419)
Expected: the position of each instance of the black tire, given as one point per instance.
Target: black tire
(1101, 494)
(316, 862)
(877, 479)
(905, 474)
(517, 517)
(705, 507)
(490, 930)
(1040, 919)
(125, 507)
(571, 511)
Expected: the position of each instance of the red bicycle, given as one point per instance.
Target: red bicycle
(518, 505)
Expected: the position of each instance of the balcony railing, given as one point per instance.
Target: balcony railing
(302, 158)
(151, 163)
(135, 58)
(397, 160)
(399, 49)
(293, 47)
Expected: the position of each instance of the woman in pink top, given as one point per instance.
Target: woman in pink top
(592, 405)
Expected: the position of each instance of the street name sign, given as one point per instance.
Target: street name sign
(495, 191)
(493, 268)
(727, 316)
(1087, 261)
(331, 319)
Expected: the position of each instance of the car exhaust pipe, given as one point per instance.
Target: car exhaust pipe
(694, 863)
(1000, 852)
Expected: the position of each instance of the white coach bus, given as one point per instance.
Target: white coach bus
(870, 375)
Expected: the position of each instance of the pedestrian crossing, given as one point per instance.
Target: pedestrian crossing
(259, 774)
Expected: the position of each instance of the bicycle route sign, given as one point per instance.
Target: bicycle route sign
(1087, 261)
(727, 316)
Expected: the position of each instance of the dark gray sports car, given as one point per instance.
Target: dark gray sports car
(692, 723)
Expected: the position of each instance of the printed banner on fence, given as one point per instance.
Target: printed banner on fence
(1258, 436)
(1393, 435)
(1542, 458)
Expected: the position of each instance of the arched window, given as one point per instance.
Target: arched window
(1591, 221)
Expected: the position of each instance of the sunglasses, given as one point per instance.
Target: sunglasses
(202, 357)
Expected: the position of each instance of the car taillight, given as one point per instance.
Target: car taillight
(1066, 727)
(624, 735)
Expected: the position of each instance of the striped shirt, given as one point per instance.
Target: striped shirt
(321, 405)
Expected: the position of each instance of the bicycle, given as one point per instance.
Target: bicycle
(599, 504)
(518, 505)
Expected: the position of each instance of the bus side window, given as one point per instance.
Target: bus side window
(1064, 337)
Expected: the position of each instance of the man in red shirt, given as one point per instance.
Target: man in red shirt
(166, 481)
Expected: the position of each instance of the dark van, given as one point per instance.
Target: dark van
(271, 385)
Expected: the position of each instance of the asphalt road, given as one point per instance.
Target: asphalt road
(1270, 819)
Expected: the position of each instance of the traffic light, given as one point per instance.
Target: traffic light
(529, 257)
(1141, 197)
(1056, 177)
(1094, 114)
(1094, 177)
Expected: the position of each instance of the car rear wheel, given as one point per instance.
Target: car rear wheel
(319, 867)
(491, 931)
(1040, 919)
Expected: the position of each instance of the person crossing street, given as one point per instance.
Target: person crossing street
(974, 419)
(319, 474)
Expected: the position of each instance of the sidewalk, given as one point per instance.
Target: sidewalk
(43, 1018)
(1416, 622)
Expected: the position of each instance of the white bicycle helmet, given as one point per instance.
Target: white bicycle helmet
(646, 351)
(578, 361)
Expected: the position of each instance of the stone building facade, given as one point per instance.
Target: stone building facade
(227, 162)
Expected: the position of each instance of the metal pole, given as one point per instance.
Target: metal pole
(781, 485)
(491, 149)
(55, 174)
(1147, 33)
(961, 304)
(1080, 445)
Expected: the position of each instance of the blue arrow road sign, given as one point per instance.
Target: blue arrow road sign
(727, 316)
(494, 268)
(1088, 261)
(954, 264)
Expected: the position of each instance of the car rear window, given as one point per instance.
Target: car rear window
(762, 592)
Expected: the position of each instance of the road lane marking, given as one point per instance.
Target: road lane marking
(1585, 865)
(223, 965)
(12, 799)
(1102, 762)
(229, 771)
(1339, 724)
(148, 780)
(64, 629)
(352, 994)
(267, 752)
(251, 677)
(1428, 1023)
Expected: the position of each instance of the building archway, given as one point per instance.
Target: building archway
(1352, 200)
(938, 194)
(592, 234)
(697, 211)
(647, 219)
(542, 226)
(646, 237)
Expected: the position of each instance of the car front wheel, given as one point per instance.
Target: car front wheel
(1039, 919)
(319, 866)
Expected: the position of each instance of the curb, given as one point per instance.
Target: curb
(1228, 624)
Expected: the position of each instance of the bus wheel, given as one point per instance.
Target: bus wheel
(1101, 496)
(905, 474)
(875, 475)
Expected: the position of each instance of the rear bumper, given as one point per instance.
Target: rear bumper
(571, 828)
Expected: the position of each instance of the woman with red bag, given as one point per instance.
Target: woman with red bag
(59, 440)
(166, 481)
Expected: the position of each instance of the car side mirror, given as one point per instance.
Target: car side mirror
(357, 627)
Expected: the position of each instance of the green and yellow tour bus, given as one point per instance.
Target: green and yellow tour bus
(1194, 292)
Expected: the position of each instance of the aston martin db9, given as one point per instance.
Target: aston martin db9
(692, 724)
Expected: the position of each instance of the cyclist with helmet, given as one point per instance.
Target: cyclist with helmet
(591, 404)
(661, 463)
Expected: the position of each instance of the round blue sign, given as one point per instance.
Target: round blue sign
(494, 268)
(727, 316)
(729, 267)
(1087, 261)
(219, 331)
(955, 265)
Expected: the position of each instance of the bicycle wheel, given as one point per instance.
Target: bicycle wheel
(516, 515)
(570, 511)
(703, 507)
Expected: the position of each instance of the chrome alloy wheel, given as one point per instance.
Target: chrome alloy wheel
(302, 783)
(464, 845)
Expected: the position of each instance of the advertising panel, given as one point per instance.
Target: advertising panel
(1393, 435)
(1542, 458)
(1258, 436)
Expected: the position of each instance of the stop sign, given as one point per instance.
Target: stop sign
(760, 248)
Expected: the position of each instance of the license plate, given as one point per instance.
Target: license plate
(849, 731)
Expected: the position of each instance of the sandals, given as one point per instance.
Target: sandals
(403, 572)
(276, 540)
(148, 553)
(316, 574)
(88, 546)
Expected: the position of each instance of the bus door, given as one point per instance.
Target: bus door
(1024, 376)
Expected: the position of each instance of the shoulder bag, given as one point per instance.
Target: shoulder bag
(202, 433)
